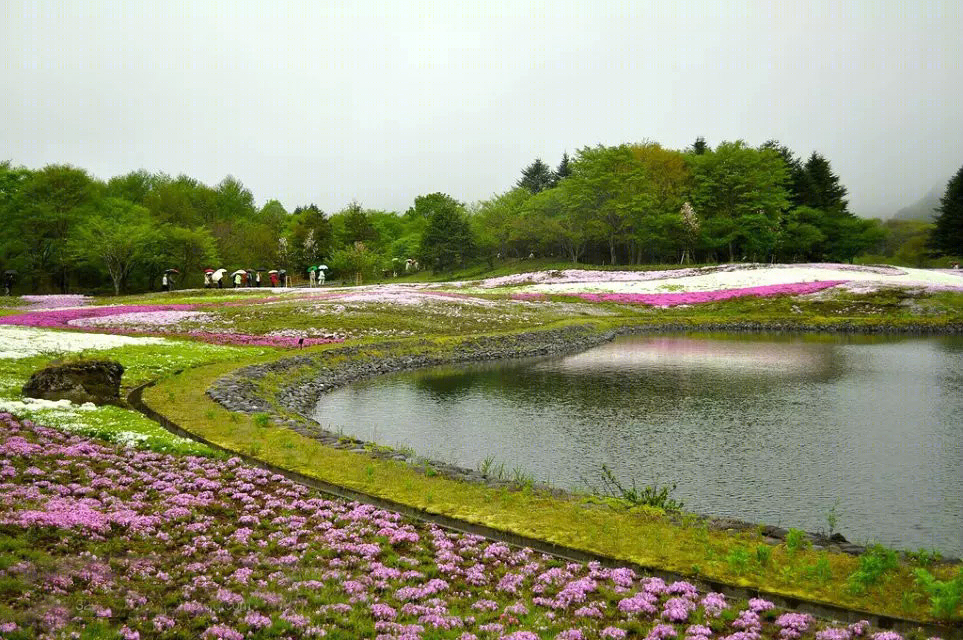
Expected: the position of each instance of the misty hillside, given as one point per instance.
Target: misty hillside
(924, 209)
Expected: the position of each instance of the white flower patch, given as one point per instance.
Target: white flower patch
(23, 342)
(39, 404)
(60, 301)
(152, 319)
(404, 296)
(745, 276)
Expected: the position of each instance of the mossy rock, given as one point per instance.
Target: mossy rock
(96, 381)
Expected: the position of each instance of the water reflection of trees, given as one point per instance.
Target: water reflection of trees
(646, 375)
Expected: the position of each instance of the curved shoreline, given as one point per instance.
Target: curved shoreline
(823, 609)
(336, 368)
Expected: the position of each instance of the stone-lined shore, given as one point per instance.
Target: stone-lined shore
(334, 368)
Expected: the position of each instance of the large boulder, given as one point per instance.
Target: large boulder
(96, 381)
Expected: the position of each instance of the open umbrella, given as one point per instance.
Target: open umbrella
(10, 272)
(323, 267)
(238, 272)
(261, 269)
(273, 271)
(312, 268)
(208, 270)
(171, 271)
(220, 272)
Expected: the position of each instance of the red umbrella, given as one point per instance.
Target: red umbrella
(208, 270)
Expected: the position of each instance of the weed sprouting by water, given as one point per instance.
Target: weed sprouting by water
(873, 565)
(797, 540)
(648, 495)
(945, 595)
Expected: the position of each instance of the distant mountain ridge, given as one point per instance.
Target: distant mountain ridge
(925, 208)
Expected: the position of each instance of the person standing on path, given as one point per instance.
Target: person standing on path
(311, 277)
(165, 283)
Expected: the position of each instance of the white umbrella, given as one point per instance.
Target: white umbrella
(239, 271)
(273, 271)
(322, 266)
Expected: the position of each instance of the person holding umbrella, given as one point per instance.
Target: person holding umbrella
(167, 280)
(207, 278)
(218, 277)
(283, 275)
(273, 274)
(8, 277)
(238, 277)
(321, 270)
(311, 275)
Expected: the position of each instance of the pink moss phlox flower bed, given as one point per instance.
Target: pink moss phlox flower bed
(55, 301)
(73, 319)
(61, 317)
(125, 543)
(697, 297)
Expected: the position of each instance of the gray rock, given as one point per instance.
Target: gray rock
(96, 381)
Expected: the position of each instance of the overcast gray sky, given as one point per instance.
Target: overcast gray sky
(382, 101)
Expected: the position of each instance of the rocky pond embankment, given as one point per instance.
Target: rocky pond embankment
(311, 375)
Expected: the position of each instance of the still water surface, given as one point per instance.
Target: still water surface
(772, 428)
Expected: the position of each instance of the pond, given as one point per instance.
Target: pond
(776, 429)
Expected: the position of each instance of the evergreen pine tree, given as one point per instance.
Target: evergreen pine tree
(699, 147)
(536, 177)
(821, 189)
(563, 171)
(947, 237)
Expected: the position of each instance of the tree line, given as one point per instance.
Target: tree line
(64, 229)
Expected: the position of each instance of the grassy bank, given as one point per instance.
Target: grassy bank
(874, 582)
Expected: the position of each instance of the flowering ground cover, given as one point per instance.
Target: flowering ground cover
(104, 541)
(24, 350)
(724, 277)
(180, 320)
(697, 297)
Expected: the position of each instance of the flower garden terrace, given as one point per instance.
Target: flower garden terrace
(182, 324)
(107, 541)
(801, 294)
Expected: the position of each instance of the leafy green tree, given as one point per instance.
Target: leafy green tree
(947, 236)
(356, 262)
(118, 236)
(447, 240)
(181, 201)
(51, 203)
(699, 147)
(612, 183)
(802, 237)
(495, 221)
(569, 225)
(536, 177)
(741, 196)
(233, 200)
(188, 250)
(309, 238)
(135, 186)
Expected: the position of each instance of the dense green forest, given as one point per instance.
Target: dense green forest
(64, 229)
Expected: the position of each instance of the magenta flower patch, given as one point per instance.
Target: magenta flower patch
(161, 546)
(698, 297)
